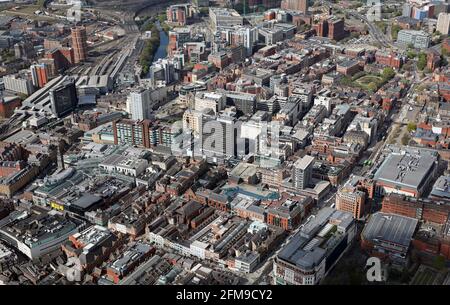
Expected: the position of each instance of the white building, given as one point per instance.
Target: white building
(443, 23)
(209, 100)
(18, 85)
(140, 104)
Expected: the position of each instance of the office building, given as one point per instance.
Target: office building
(419, 39)
(351, 197)
(17, 84)
(205, 101)
(179, 14)
(314, 250)
(224, 17)
(128, 260)
(39, 75)
(8, 104)
(79, 43)
(140, 104)
(91, 246)
(336, 29)
(443, 23)
(302, 172)
(132, 132)
(63, 98)
(406, 10)
(219, 136)
(244, 102)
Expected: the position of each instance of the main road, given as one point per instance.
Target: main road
(374, 31)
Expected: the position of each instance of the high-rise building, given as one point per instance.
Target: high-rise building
(336, 29)
(322, 28)
(63, 97)
(39, 75)
(79, 43)
(295, 5)
(179, 14)
(443, 23)
(219, 135)
(132, 132)
(23, 50)
(63, 57)
(140, 104)
(406, 10)
(350, 198)
(302, 173)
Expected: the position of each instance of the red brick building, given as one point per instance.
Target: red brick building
(336, 29)
(8, 104)
(388, 59)
(421, 209)
(10, 167)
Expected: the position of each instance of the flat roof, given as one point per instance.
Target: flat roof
(406, 168)
(390, 227)
(304, 162)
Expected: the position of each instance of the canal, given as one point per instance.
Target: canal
(161, 52)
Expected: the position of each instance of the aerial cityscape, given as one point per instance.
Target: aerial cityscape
(224, 142)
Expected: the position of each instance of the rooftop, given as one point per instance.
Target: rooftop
(390, 228)
(407, 167)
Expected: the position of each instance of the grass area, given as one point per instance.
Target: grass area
(382, 26)
(369, 82)
(365, 80)
(28, 11)
(394, 31)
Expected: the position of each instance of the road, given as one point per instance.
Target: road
(374, 31)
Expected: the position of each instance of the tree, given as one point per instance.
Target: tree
(411, 126)
(372, 86)
(411, 54)
(394, 31)
(422, 61)
(405, 139)
(388, 73)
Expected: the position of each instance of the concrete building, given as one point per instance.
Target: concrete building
(223, 17)
(313, 250)
(350, 198)
(39, 75)
(302, 172)
(389, 236)
(132, 132)
(63, 97)
(419, 39)
(140, 104)
(17, 84)
(38, 232)
(407, 171)
(209, 100)
(443, 23)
